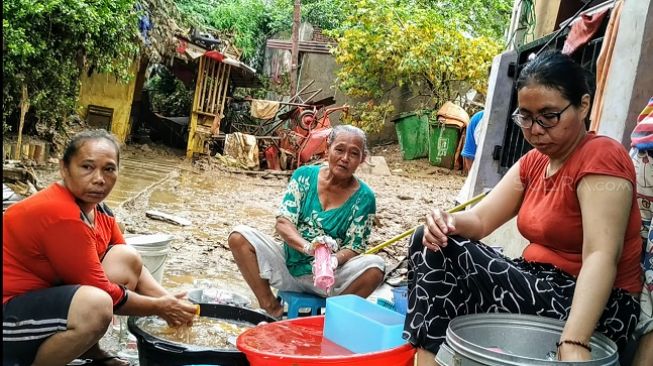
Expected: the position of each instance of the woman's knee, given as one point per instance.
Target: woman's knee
(375, 275)
(125, 255)
(237, 241)
(91, 311)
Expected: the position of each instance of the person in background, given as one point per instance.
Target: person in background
(320, 201)
(471, 141)
(65, 267)
(575, 202)
(642, 154)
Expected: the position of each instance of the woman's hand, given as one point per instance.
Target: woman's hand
(439, 224)
(572, 352)
(177, 311)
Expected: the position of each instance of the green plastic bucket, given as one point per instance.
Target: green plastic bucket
(443, 142)
(413, 134)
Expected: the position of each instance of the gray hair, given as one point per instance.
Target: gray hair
(350, 130)
(79, 139)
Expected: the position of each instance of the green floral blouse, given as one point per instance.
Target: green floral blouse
(350, 224)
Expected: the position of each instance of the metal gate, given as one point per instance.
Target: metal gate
(514, 145)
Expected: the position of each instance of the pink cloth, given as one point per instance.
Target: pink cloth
(582, 31)
(322, 271)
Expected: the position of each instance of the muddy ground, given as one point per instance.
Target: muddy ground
(215, 200)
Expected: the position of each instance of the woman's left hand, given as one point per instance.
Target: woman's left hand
(571, 352)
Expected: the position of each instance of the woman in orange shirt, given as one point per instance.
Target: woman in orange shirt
(574, 198)
(65, 267)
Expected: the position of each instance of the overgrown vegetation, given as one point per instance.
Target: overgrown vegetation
(47, 44)
(251, 22)
(438, 54)
(436, 48)
(168, 95)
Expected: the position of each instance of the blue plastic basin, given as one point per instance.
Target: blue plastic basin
(362, 326)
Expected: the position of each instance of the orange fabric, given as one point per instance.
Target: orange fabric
(603, 64)
(45, 243)
(550, 216)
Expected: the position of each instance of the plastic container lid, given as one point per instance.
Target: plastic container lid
(152, 239)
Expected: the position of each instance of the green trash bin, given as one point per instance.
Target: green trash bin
(443, 142)
(413, 134)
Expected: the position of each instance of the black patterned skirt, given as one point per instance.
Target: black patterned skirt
(468, 277)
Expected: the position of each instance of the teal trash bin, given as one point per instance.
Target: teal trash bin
(413, 134)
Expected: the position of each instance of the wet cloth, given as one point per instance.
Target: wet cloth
(550, 215)
(45, 241)
(272, 266)
(243, 148)
(264, 109)
(469, 277)
(27, 323)
(349, 225)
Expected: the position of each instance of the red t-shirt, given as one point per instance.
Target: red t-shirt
(45, 243)
(550, 216)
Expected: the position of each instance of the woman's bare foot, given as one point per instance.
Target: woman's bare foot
(102, 357)
(274, 309)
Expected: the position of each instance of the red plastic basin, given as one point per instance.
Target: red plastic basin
(299, 342)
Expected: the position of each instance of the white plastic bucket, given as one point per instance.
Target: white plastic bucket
(153, 250)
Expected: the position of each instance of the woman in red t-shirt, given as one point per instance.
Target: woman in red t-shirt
(575, 202)
(65, 267)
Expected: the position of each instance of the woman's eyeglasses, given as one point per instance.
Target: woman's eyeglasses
(546, 120)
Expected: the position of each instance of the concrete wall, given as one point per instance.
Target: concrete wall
(485, 171)
(106, 91)
(322, 68)
(630, 80)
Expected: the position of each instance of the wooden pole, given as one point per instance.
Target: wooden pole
(295, 46)
(395, 239)
(24, 107)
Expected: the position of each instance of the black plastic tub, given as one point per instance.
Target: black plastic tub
(154, 351)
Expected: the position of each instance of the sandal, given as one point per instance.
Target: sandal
(262, 311)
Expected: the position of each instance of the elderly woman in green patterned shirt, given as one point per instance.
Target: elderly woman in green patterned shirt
(319, 201)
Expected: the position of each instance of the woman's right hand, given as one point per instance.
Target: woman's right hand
(176, 311)
(439, 224)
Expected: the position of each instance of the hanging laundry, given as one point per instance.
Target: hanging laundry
(264, 109)
(583, 30)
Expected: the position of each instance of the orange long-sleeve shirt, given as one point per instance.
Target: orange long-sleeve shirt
(45, 243)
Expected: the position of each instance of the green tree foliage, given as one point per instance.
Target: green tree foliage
(168, 95)
(386, 44)
(48, 43)
(476, 17)
(251, 22)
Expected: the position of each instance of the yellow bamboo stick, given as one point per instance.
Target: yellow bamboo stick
(395, 239)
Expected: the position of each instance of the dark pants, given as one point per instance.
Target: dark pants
(469, 277)
(30, 319)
